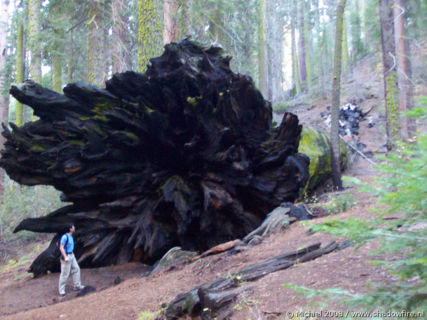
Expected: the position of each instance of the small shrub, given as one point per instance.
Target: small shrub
(339, 203)
(150, 315)
(280, 106)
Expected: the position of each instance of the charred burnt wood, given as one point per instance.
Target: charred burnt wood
(216, 295)
(182, 155)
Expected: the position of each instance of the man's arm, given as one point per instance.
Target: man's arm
(64, 255)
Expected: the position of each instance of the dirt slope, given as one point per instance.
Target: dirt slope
(265, 299)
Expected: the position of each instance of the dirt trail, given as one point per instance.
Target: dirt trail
(264, 299)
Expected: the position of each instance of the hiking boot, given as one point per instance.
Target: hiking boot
(78, 288)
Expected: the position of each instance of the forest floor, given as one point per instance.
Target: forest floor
(22, 297)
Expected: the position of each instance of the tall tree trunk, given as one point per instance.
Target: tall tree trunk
(170, 27)
(121, 58)
(308, 42)
(107, 12)
(344, 46)
(356, 32)
(278, 53)
(96, 49)
(148, 27)
(399, 37)
(301, 46)
(20, 65)
(4, 97)
(409, 89)
(391, 90)
(34, 40)
(70, 66)
(324, 58)
(295, 69)
(184, 18)
(57, 62)
(336, 88)
(262, 61)
(269, 55)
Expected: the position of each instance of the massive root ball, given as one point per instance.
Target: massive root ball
(183, 155)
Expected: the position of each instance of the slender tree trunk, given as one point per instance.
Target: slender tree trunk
(277, 53)
(57, 61)
(34, 30)
(324, 59)
(70, 66)
(19, 70)
(121, 58)
(318, 51)
(247, 62)
(356, 31)
(295, 69)
(4, 97)
(301, 46)
(106, 41)
(344, 46)
(170, 28)
(184, 18)
(410, 89)
(399, 36)
(96, 48)
(336, 88)
(391, 90)
(308, 42)
(262, 61)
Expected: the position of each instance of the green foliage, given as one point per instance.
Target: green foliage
(401, 189)
(149, 315)
(420, 110)
(280, 106)
(20, 202)
(356, 33)
(372, 26)
(339, 203)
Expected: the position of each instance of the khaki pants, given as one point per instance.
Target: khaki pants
(66, 267)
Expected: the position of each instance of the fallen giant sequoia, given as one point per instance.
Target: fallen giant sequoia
(183, 155)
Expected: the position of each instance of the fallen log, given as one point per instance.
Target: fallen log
(182, 155)
(212, 299)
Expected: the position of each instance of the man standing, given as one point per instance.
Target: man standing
(68, 261)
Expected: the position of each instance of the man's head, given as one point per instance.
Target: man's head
(70, 228)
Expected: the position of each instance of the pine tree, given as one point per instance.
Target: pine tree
(295, 66)
(148, 31)
(301, 45)
(336, 88)
(170, 27)
(262, 61)
(4, 97)
(34, 38)
(391, 90)
(402, 72)
(96, 49)
(20, 65)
